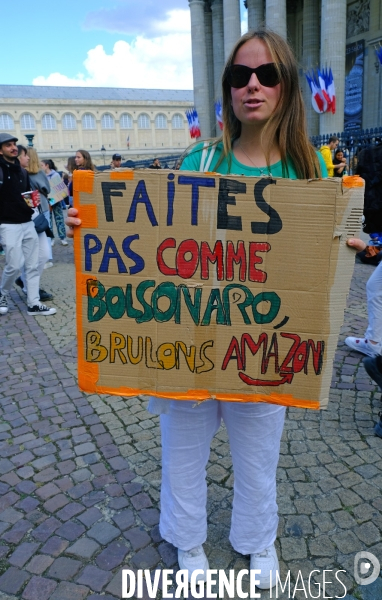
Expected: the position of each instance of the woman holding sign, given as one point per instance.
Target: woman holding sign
(264, 134)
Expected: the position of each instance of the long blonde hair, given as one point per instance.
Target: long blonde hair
(34, 161)
(287, 124)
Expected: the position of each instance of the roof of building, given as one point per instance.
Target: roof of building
(93, 93)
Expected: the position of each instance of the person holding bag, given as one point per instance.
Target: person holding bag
(29, 160)
(264, 135)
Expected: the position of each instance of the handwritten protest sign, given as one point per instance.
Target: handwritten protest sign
(194, 286)
(58, 189)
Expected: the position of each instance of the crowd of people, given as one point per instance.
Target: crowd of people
(264, 134)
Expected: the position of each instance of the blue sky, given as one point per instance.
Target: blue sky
(126, 43)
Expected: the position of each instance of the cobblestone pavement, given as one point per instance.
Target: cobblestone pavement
(80, 474)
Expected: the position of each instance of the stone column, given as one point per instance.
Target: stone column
(232, 28)
(333, 49)
(276, 16)
(210, 65)
(256, 17)
(199, 66)
(217, 45)
(310, 58)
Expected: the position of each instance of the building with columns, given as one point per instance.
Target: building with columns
(135, 123)
(341, 34)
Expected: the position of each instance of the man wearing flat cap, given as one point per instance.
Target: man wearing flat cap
(17, 231)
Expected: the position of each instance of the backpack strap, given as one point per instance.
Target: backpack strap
(206, 159)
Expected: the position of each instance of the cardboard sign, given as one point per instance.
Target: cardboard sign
(58, 189)
(195, 286)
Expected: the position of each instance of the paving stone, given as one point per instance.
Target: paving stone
(80, 490)
(64, 568)
(22, 554)
(70, 531)
(168, 553)
(47, 491)
(118, 503)
(112, 556)
(42, 463)
(84, 548)
(124, 519)
(132, 488)
(104, 533)
(293, 548)
(39, 588)
(8, 499)
(26, 487)
(346, 542)
(86, 448)
(146, 558)
(55, 503)
(141, 501)
(16, 534)
(124, 476)
(46, 529)
(321, 546)
(39, 564)
(137, 537)
(55, 546)
(94, 578)
(150, 516)
(13, 580)
(69, 591)
(25, 472)
(10, 515)
(70, 510)
(90, 516)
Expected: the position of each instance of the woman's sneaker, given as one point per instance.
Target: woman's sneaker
(364, 346)
(268, 563)
(3, 304)
(192, 560)
(41, 309)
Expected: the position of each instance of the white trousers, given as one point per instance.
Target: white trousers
(374, 305)
(43, 256)
(20, 243)
(254, 431)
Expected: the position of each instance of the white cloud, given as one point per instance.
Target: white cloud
(160, 62)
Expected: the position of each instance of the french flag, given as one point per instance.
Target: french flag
(219, 113)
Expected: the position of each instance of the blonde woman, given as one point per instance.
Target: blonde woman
(264, 134)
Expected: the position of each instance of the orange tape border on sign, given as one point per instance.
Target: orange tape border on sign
(88, 373)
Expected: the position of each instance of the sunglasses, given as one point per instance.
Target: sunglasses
(268, 75)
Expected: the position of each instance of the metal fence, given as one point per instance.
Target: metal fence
(352, 142)
(166, 162)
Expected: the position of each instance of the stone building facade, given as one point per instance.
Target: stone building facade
(135, 123)
(322, 33)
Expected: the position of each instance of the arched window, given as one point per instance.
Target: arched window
(48, 122)
(88, 121)
(177, 122)
(126, 122)
(160, 122)
(68, 121)
(107, 121)
(6, 122)
(27, 122)
(143, 121)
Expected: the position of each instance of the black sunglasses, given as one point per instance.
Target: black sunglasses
(238, 76)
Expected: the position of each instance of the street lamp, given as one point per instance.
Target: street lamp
(103, 150)
(30, 137)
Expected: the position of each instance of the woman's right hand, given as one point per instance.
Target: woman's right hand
(71, 221)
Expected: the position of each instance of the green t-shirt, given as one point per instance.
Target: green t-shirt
(192, 163)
